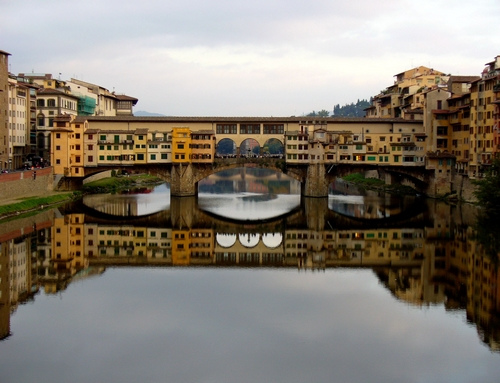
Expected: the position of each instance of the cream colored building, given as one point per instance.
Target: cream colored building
(4, 107)
(19, 122)
(402, 98)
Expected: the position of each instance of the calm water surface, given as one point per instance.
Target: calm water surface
(331, 290)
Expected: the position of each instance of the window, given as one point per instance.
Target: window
(250, 129)
(226, 129)
(274, 128)
(140, 157)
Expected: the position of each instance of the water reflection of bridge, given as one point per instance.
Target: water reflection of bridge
(310, 237)
(313, 212)
(421, 261)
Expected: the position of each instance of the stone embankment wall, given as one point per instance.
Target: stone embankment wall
(98, 176)
(26, 184)
(464, 188)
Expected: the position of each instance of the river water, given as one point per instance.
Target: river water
(248, 282)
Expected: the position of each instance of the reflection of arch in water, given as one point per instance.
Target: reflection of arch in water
(272, 240)
(249, 240)
(225, 240)
(128, 205)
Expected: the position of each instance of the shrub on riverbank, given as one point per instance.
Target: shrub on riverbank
(377, 184)
(113, 184)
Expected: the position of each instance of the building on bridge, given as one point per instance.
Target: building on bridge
(84, 144)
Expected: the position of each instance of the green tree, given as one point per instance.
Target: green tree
(488, 190)
(488, 220)
(321, 113)
(351, 110)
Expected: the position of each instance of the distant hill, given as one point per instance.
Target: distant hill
(142, 113)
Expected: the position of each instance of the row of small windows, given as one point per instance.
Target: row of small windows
(250, 129)
(51, 103)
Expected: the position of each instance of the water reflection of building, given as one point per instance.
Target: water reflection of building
(440, 263)
(4, 291)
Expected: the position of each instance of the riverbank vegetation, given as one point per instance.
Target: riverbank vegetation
(34, 203)
(361, 181)
(120, 182)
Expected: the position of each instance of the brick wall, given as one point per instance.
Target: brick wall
(23, 184)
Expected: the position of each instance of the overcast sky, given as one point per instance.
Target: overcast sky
(246, 58)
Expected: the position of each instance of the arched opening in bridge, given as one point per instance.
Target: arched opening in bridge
(273, 148)
(226, 148)
(250, 148)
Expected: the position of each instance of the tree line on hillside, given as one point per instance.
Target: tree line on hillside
(348, 110)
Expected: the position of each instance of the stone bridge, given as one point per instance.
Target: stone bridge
(315, 178)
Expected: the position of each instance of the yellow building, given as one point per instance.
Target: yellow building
(403, 97)
(181, 145)
(203, 146)
(67, 148)
(482, 124)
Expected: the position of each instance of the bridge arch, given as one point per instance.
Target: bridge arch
(226, 147)
(273, 147)
(249, 148)
(275, 164)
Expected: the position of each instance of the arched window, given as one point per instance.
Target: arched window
(40, 102)
(51, 102)
(41, 119)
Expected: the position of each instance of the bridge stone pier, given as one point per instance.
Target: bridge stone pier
(182, 180)
(316, 182)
